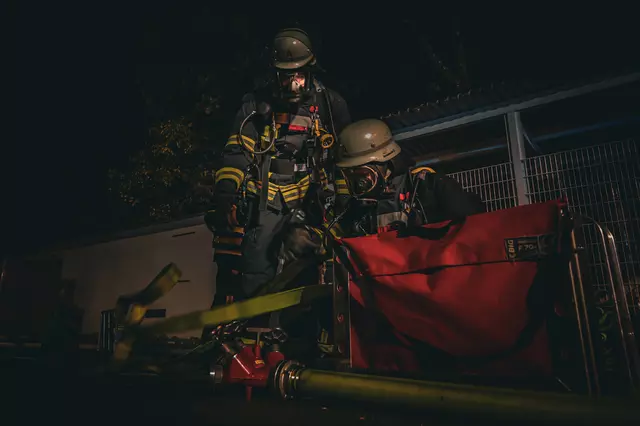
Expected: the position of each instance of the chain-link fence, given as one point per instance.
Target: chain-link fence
(495, 184)
(601, 182)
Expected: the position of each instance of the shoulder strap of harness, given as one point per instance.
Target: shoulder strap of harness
(421, 169)
(321, 99)
(423, 180)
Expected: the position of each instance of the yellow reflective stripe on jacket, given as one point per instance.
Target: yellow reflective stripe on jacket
(290, 192)
(249, 143)
(226, 245)
(335, 231)
(341, 187)
(228, 241)
(254, 187)
(422, 169)
(238, 230)
(324, 180)
(295, 191)
(236, 241)
(231, 173)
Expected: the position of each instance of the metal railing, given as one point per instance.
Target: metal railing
(601, 182)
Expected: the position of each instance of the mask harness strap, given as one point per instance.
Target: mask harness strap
(261, 158)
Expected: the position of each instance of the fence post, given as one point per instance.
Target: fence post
(3, 273)
(517, 154)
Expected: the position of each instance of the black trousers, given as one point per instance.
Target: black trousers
(228, 278)
(228, 282)
(260, 250)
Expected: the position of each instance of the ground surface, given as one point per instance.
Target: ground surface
(34, 395)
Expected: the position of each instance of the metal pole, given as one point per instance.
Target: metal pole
(442, 158)
(517, 153)
(628, 343)
(3, 273)
(508, 404)
(480, 114)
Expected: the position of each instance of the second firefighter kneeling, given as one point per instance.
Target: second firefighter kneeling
(387, 190)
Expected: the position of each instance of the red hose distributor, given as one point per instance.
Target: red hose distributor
(249, 365)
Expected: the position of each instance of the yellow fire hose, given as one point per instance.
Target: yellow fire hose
(237, 311)
(131, 309)
(293, 380)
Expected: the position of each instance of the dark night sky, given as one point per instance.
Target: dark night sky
(79, 110)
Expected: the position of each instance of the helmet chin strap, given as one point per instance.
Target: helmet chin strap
(385, 173)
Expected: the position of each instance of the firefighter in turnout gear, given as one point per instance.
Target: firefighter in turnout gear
(280, 148)
(387, 190)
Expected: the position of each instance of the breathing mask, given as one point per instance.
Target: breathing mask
(293, 85)
(366, 181)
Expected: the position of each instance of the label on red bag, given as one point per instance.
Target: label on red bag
(527, 248)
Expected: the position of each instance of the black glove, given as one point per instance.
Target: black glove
(300, 242)
(223, 215)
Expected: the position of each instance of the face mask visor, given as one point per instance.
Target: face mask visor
(292, 85)
(362, 181)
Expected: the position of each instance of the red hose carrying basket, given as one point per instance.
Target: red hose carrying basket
(473, 295)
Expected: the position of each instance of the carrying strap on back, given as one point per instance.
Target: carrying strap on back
(316, 197)
(321, 100)
(423, 185)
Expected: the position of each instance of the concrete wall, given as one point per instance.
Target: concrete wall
(107, 270)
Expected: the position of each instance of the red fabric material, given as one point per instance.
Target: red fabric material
(475, 306)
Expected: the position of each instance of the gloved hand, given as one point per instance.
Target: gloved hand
(224, 213)
(300, 242)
